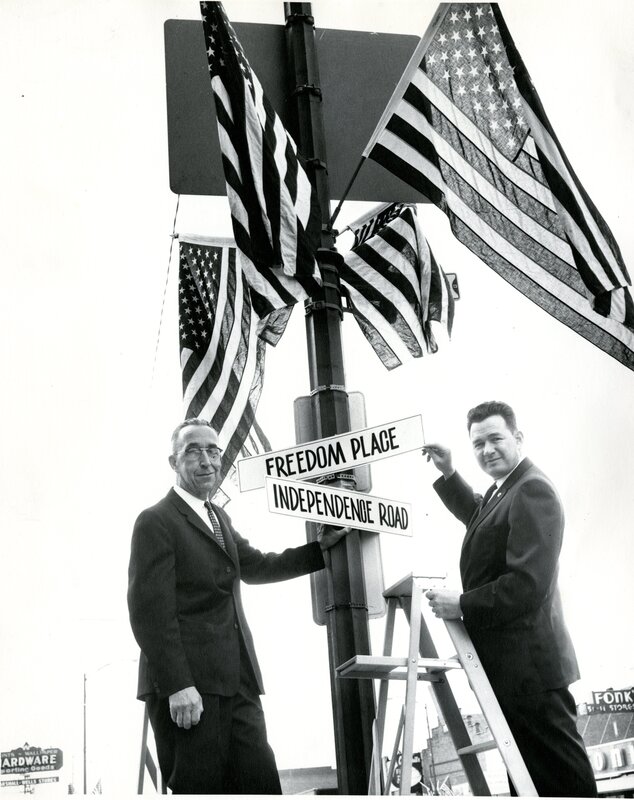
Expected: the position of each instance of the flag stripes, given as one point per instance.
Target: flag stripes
(476, 142)
(396, 288)
(222, 355)
(274, 207)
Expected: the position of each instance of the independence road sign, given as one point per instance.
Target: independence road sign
(338, 507)
(341, 452)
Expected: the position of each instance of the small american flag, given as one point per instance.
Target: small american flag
(396, 288)
(467, 129)
(222, 355)
(274, 207)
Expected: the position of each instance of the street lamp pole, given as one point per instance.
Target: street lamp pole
(85, 781)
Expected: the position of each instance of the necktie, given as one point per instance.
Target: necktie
(215, 525)
(488, 495)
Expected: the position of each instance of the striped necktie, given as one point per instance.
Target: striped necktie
(215, 525)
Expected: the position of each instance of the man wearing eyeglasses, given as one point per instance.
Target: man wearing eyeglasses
(198, 672)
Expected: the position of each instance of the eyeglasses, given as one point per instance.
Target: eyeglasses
(196, 452)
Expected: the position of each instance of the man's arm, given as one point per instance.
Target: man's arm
(257, 567)
(152, 603)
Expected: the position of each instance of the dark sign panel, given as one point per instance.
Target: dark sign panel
(31, 759)
(358, 72)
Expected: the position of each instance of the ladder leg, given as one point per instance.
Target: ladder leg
(410, 690)
(384, 684)
(491, 709)
(397, 741)
(451, 713)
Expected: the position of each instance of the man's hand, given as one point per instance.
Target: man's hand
(186, 707)
(441, 456)
(329, 535)
(445, 603)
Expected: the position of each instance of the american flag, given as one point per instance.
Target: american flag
(396, 289)
(274, 207)
(222, 355)
(466, 127)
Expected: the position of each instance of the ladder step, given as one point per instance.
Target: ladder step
(480, 747)
(392, 667)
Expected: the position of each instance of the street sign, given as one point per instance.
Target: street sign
(358, 71)
(29, 781)
(336, 453)
(338, 507)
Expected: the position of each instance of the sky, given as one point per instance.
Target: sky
(92, 386)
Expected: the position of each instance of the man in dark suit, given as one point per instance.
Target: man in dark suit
(510, 602)
(198, 672)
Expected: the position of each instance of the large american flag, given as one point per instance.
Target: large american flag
(466, 127)
(395, 287)
(274, 207)
(222, 355)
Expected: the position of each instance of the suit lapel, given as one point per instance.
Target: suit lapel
(508, 484)
(187, 511)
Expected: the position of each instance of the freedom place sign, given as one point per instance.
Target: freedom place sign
(340, 507)
(333, 454)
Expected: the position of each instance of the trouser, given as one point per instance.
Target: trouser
(226, 753)
(545, 731)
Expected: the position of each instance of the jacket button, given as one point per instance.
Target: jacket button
(235, 625)
(228, 570)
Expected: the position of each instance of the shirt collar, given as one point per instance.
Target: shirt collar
(195, 502)
(500, 481)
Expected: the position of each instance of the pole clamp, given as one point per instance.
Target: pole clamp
(318, 305)
(336, 606)
(337, 476)
(307, 88)
(292, 19)
(334, 387)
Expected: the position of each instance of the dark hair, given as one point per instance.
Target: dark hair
(186, 424)
(492, 408)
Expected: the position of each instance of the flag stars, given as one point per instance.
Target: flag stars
(477, 106)
(474, 72)
(461, 90)
(471, 53)
(459, 72)
(479, 12)
(467, 15)
(494, 125)
(456, 36)
(497, 48)
(469, 34)
(498, 67)
(442, 38)
(457, 54)
(454, 17)
(481, 32)
(475, 88)
(490, 89)
(445, 76)
(492, 107)
(432, 59)
(508, 124)
(444, 56)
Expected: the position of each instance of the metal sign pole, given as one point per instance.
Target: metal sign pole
(347, 623)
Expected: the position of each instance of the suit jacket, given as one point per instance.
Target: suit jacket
(184, 598)
(509, 564)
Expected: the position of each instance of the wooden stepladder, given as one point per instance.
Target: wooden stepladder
(422, 663)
